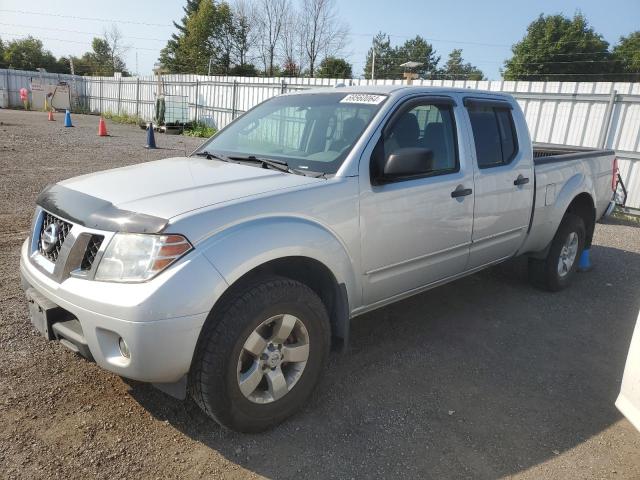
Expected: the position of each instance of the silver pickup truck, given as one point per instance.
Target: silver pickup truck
(229, 275)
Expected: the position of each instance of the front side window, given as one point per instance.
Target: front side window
(426, 126)
(310, 132)
(494, 135)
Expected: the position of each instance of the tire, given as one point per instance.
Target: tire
(545, 273)
(265, 306)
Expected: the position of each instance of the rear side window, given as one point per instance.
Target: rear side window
(494, 135)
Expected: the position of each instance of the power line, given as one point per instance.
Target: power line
(93, 19)
(19, 37)
(130, 22)
(77, 31)
(404, 59)
(538, 51)
(462, 42)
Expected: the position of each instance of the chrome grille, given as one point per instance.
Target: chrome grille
(92, 250)
(62, 232)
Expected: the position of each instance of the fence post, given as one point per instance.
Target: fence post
(100, 96)
(8, 91)
(608, 119)
(119, 93)
(234, 98)
(197, 93)
(137, 97)
(284, 87)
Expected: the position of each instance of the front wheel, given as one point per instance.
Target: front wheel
(555, 271)
(259, 360)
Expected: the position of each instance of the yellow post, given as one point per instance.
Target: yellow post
(409, 77)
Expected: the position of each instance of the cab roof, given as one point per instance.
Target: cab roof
(393, 90)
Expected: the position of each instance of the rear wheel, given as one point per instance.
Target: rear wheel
(555, 271)
(260, 359)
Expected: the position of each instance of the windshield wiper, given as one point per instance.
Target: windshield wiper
(212, 155)
(279, 165)
(266, 162)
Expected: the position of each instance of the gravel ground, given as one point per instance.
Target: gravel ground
(482, 378)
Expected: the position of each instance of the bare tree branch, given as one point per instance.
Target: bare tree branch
(117, 49)
(324, 33)
(270, 20)
(246, 32)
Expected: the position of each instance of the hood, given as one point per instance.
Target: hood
(170, 187)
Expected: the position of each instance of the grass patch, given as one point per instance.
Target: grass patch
(629, 216)
(200, 130)
(122, 118)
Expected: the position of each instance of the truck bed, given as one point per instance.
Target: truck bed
(560, 172)
(550, 153)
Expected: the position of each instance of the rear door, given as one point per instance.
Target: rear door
(503, 178)
(413, 231)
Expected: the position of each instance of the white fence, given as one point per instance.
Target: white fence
(587, 114)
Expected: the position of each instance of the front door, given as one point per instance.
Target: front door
(413, 231)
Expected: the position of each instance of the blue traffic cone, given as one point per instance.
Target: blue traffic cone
(584, 265)
(151, 139)
(67, 119)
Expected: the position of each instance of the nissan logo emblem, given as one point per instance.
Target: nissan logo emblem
(49, 237)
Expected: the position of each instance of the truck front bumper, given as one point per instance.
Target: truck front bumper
(145, 332)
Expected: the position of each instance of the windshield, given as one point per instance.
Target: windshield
(310, 132)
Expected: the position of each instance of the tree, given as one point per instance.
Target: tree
(225, 42)
(627, 56)
(29, 54)
(169, 52)
(202, 39)
(272, 15)
(384, 57)
(456, 69)
(246, 70)
(416, 50)
(112, 49)
(106, 56)
(2, 63)
(333, 67)
(244, 36)
(324, 34)
(561, 49)
(388, 59)
(292, 45)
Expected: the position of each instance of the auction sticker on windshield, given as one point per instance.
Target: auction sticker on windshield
(363, 98)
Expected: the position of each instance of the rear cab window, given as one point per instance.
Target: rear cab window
(494, 132)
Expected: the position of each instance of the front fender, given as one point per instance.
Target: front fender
(241, 248)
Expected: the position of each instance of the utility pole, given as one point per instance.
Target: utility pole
(209, 72)
(73, 72)
(137, 63)
(373, 65)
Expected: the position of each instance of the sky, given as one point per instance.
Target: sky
(484, 30)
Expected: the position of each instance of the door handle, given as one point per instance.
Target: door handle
(461, 192)
(520, 181)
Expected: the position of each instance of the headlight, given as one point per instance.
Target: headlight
(138, 257)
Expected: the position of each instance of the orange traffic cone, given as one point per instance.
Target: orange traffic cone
(102, 128)
(51, 119)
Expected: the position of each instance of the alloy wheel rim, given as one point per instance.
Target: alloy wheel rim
(273, 358)
(568, 254)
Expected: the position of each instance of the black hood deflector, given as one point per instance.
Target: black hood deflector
(92, 212)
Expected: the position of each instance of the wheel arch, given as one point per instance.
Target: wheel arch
(583, 206)
(313, 274)
(295, 248)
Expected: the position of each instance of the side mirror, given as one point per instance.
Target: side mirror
(407, 162)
